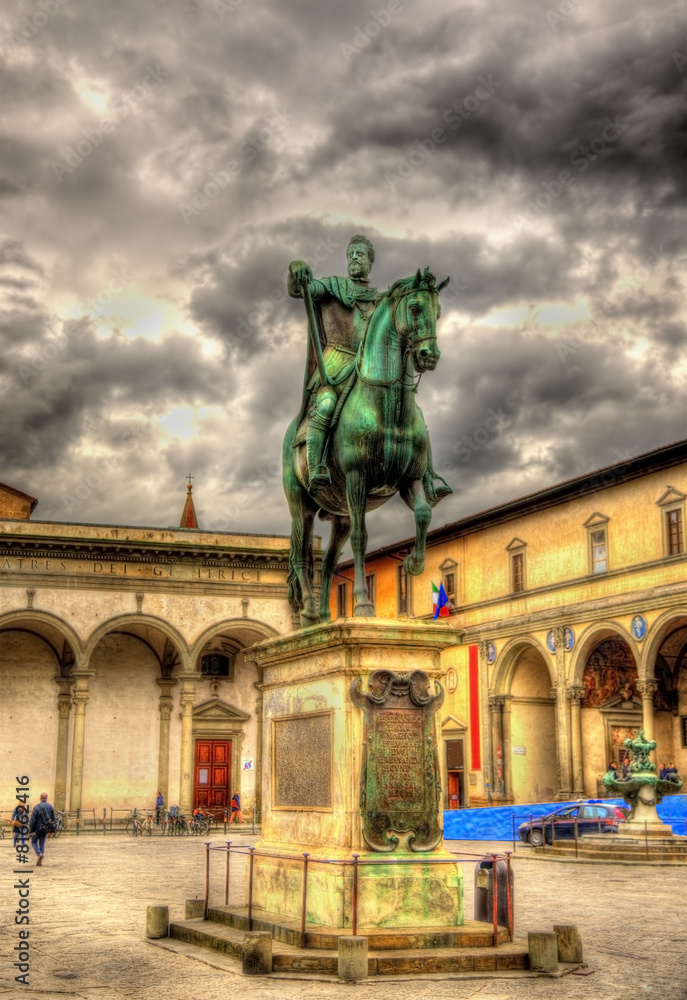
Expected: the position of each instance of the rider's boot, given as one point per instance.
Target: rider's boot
(319, 473)
(436, 487)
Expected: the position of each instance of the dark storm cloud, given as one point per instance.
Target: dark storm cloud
(326, 114)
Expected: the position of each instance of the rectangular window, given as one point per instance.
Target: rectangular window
(450, 587)
(402, 591)
(599, 561)
(518, 572)
(370, 583)
(342, 600)
(674, 531)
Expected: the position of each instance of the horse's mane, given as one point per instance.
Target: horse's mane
(427, 281)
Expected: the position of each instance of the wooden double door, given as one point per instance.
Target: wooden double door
(212, 779)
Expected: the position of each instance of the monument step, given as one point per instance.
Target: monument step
(226, 940)
(471, 934)
(636, 851)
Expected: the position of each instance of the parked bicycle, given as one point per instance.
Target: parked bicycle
(174, 824)
(60, 823)
(200, 824)
(137, 827)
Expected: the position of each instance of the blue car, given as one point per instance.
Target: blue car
(592, 817)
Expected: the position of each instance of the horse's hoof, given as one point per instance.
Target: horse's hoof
(364, 609)
(413, 567)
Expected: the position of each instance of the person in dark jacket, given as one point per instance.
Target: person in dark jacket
(20, 822)
(42, 814)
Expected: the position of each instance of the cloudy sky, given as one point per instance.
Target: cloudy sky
(161, 162)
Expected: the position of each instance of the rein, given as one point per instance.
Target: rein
(414, 383)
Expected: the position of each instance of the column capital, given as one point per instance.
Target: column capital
(647, 687)
(575, 693)
(496, 702)
(187, 700)
(553, 693)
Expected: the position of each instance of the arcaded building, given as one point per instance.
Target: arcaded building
(570, 610)
(123, 659)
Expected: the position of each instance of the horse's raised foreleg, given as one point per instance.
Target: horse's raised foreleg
(414, 497)
(341, 528)
(303, 511)
(356, 495)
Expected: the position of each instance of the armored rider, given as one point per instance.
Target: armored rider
(345, 305)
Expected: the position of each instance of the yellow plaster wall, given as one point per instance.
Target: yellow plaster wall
(28, 715)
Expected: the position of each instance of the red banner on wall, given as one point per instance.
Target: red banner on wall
(475, 750)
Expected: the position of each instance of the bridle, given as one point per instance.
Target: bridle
(405, 333)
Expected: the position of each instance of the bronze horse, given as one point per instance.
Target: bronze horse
(378, 447)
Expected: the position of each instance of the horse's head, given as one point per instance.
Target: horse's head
(417, 310)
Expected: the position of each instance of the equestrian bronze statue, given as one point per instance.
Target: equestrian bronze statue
(359, 437)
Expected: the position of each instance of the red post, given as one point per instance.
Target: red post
(226, 876)
(304, 900)
(250, 891)
(509, 895)
(494, 899)
(207, 879)
(354, 922)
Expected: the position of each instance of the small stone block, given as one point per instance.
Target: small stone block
(569, 943)
(194, 908)
(157, 922)
(543, 949)
(352, 958)
(256, 953)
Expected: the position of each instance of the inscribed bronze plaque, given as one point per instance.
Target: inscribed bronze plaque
(400, 788)
(302, 762)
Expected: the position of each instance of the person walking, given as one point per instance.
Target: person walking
(20, 823)
(236, 813)
(42, 819)
(159, 802)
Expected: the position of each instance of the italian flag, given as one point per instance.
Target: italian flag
(440, 602)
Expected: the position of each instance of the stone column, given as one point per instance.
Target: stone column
(165, 684)
(507, 758)
(562, 721)
(647, 688)
(64, 707)
(259, 749)
(575, 695)
(188, 699)
(80, 700)
(496, 703)
(486, 716)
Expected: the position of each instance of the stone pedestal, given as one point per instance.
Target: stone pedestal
(312, 748)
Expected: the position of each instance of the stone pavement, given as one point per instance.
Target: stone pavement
(87, 912)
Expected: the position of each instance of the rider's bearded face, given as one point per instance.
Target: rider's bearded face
(358, 261)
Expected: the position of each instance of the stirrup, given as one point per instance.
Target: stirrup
(320, 478)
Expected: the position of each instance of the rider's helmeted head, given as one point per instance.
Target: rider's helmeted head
(360, 255)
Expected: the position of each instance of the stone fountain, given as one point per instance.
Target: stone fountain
(643, 790)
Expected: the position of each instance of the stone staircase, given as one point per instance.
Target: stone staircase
(464, 949)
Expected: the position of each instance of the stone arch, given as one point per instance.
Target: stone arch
(522, 685)
(137, 624)
(665, 663)
(507, 662)
(244, 629)
(38, 654)
(590, 638)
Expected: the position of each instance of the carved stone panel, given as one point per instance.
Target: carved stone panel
(400, 788)
(302, 762)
